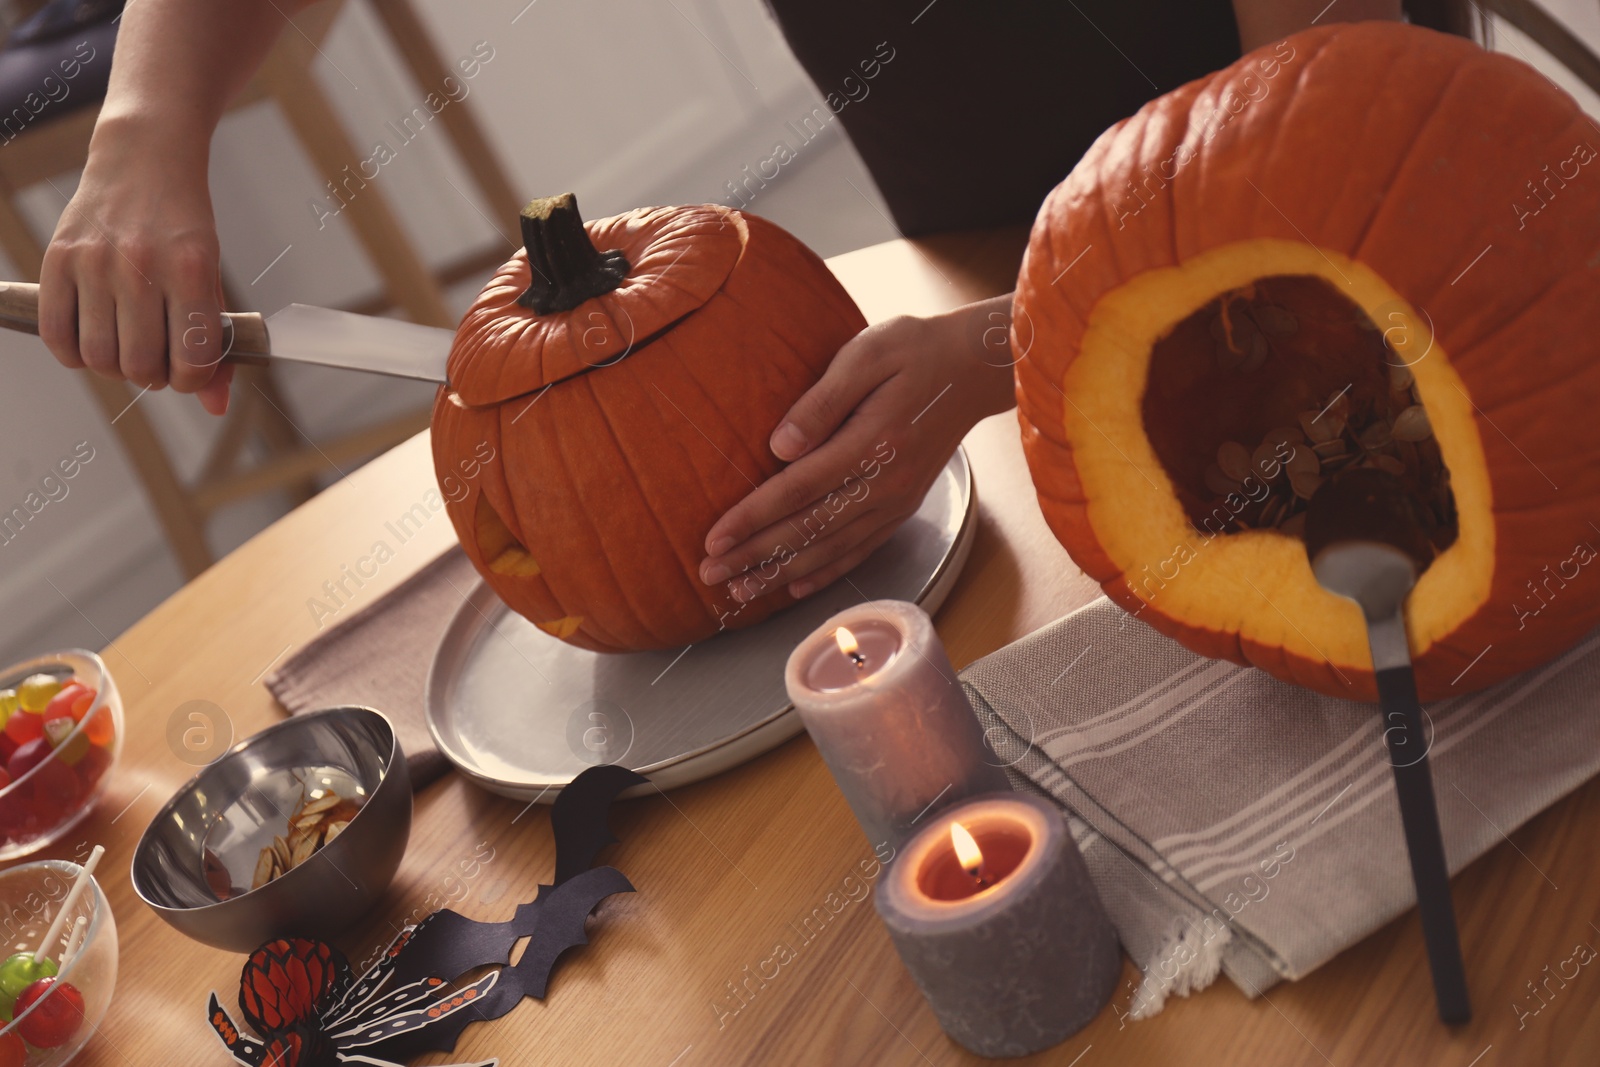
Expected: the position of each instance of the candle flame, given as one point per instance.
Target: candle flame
(968, 854)
(846, 641)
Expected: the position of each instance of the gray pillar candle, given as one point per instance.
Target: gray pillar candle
(880, 699)
(1013, 951)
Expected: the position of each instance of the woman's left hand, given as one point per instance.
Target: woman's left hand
(864, 445)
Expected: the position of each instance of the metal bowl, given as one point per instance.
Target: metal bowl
(235, 806)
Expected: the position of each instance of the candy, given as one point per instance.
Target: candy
(59, 732)
(23, 725)
(91, 768)
(17, 973)
(8, 704)
(61, 703)
(57, 1012)
(53, 787)
(13, 1053)
(36, 690)
(99, 728)
(82, 703)
(28, 756)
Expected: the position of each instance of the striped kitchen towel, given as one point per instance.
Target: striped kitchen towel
(1238, 824)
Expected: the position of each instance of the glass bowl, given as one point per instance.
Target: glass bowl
(29, 897)
(79, 736)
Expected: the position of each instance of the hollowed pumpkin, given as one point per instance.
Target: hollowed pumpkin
(627, 397)
(1358, 221)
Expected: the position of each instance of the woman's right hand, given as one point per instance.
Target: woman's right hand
(131, 286)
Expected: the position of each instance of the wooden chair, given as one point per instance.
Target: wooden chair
(51, 148)
(1545, 30)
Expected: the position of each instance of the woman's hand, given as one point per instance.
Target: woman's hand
(131, 286)
(864, 445)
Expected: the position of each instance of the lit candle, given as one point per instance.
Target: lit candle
(880, 699)
(992, 911)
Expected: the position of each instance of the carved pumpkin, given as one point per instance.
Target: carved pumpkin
(602, 415)
(1368, 245)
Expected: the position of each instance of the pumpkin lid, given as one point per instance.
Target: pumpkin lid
(664, 262)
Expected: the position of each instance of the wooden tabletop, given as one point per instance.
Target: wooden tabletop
(724, 867)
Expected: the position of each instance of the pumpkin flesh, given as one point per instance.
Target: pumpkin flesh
(1424, 182)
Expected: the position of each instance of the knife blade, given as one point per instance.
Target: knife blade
(300, 333)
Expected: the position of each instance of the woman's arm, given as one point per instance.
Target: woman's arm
(1264, 21)
(131, 285)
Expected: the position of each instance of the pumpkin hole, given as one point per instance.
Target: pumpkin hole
(498, 545)
(1268, 389)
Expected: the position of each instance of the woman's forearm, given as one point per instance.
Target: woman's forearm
(1264, 21)
(178, 64)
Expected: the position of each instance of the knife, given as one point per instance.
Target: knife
(299, 333)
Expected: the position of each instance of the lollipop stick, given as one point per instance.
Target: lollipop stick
(76, 891)
(74, 940)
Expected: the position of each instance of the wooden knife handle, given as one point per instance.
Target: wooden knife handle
(246, 331)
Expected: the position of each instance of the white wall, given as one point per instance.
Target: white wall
(625, 102)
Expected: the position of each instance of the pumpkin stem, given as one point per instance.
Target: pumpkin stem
(566, 267)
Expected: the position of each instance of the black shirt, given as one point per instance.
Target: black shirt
(968, 112)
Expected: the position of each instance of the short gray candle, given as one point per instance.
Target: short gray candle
(1017, 956)
(880, 699)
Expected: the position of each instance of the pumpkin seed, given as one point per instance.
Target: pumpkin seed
(304, 850)
(1273, 513)
(264, 869)
(1257, 354)
(1376, 436)
(1264, 461)
(1304, 461)
(1319, 427)
(317, 805)
(1412, 424)
(1234, 460)
(1294, 525)
(280, 852)
(1218, 482)
(1305, 483)
(1330, 449)
(1400, 377)
(1276, 321)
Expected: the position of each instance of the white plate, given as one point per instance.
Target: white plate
(522, 713)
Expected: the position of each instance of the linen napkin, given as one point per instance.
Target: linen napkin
(380, 657)
(1234, 822)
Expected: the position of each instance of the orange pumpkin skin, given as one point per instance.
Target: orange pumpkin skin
(617, 432)
(1461, 185)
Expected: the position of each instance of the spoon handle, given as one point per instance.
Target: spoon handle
(1408, 743)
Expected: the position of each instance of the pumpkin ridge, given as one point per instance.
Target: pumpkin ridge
(625, 588)
(685, 566)
(661, 414)
(568, 607)
(1358, 246)
(755, 460)
(513, 521)
(1489, 334)
(784, 342)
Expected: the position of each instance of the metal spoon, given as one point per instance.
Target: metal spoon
(1367, 544)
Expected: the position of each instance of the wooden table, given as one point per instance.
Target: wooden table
(725, 866)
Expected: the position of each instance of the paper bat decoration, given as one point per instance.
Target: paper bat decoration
(447, 944)
(301, 994)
